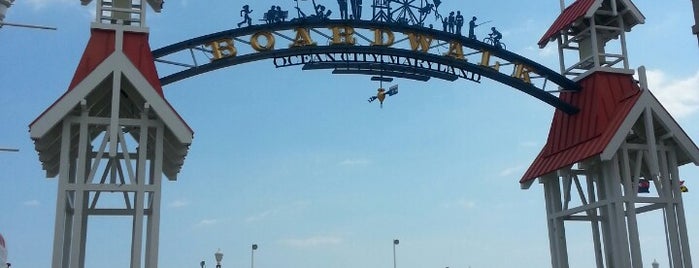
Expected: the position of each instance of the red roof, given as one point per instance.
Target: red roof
(101, 45)
(604, 101)
(569, 15)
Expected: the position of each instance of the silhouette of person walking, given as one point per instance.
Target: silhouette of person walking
(451, 21)
(343, 9)
(245, 13)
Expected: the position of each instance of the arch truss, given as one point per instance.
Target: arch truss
(364, 47)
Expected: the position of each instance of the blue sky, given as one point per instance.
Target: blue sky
(299, 163)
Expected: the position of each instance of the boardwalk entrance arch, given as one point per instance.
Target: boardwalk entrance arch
(365, 47)
(113, 132)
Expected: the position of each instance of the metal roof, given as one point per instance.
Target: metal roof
(629, 13)
(605, 101)
(572, 13)
(98, 62)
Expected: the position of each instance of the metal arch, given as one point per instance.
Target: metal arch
(485, 71)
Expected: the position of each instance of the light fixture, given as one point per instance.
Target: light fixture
(219, 256)
(395, 242)
(252, 256)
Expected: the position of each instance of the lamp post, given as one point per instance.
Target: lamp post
(395, 242)
(219, 256)
(252, 255)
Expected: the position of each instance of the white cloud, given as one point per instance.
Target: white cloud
(207, 222)
(260, 216)
(355, 162)
(679, 96)
(178, 204)
(40, 4)
(88, 11)
(315, 241)
(290, 208)
(528, 144)
(511, 170)
(31, 203)
(461, 204)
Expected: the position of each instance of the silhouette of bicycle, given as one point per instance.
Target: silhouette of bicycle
(490, 41)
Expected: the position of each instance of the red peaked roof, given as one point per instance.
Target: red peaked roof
(101, 45)
(604, 101)
(569, 15)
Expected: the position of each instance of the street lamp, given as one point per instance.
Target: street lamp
(219, 256)
(252, 256)
(395, 242)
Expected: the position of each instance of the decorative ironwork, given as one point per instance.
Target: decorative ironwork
(245, 13)
(366, 48)
(400, 12)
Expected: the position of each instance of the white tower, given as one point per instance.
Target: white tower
(619, 156)
(110, 137)
(596, 31)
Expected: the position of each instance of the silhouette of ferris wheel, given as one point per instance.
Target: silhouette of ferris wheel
(412, 12)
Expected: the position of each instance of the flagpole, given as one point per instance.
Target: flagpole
(27, 26)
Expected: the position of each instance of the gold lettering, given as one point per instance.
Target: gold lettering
(485, 60)
(343, 35)
(421, 42)
(223, 48)
(456, 50)
(255, 41)
(303, 38)
(379, 40)
(522, 72)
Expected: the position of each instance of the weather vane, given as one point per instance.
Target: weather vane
(382, 93)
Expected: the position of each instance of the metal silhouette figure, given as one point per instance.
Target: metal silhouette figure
(451, 22)
(495, 35)
(356, 9)
(271, 14)
(472, 28)
(459, 21)
(343, 9)
(245, 13)
(320, 13)
(275, 14)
